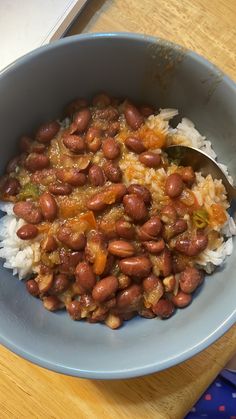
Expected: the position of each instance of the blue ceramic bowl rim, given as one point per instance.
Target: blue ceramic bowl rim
(223, 327)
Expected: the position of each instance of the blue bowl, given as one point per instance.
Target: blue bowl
(34, 89)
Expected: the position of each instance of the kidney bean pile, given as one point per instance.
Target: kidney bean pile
(106, 255)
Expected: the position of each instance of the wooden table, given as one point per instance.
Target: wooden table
(27, 391)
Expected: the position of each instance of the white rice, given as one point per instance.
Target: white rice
(23, 256)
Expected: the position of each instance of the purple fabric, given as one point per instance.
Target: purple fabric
(218, 401)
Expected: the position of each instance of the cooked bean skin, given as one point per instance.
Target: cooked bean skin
(141, 191)
(72, 176)
(105, 288)
(151, 229)
(36, 161)
(74, 240)
(135, 144)
(11, 186)
(32, 287)
(102, 100)
(121, 248)
(181, 300)
(163, 308)
(85, 276)
(110, 148)
(154, 247)
(150, 159)
(74, 309)
(125, 229)
(93, 139)
(129, 299)
(96, 175)
(47, 132)
(109, 195)
(48, 206)
(133, 117)
(192, 246)
(82, 119)
(135, 207)
(174, 185)
(74, 143)
(27, 232)
(60, 189)
(138, 266)
(112, 172)
(190, 279)
(28, 212)
(60, 284)
(48, 244)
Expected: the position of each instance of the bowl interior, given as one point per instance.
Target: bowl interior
(145, 69)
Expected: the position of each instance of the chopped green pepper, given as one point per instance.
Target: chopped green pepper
(29, 190)
(200, 218)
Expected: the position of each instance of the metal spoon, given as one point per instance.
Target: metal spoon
(200, 161)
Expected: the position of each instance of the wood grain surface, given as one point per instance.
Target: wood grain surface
(28, 391)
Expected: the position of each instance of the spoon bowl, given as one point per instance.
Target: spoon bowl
(200, 161)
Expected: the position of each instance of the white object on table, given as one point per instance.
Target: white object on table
(28, 24)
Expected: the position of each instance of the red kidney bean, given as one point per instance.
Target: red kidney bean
(112, 172)
(135, 207)
(28, 212)
(110, 148)
(27, 232)
(125, 229)
(138, 266)
(150, 159)
(93, 139)
(82, 119)
(192, 246)
(37, 148)
(146, 110)
(52, 303)
(135, 144)
(36, 161)
(32, 287)
(188, 175)
(174, 185)
(102, 100)
(74, 309)
(13, 164)
(133, 117)
(181, 300)
(96, 175)
(74, 240)
(179, 262)
(112, 129)
(190, 279)
(154, 247)
(72, 176)
(109, 114)
(168, 214)
(151, 282)
(141, 191)
(174, 229)
(69, 260)
(48, 206)
(60, 284)
(60, 189)
(105, 288)
(151, 229)
(163, 308)
(109, 195)
(124, 281)
(48, 244)
(121, 248)
(74, 143)
(25, 143)
(130, 298)
(75, 106)
(11, 186)
(47, 132)
(84, 276)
